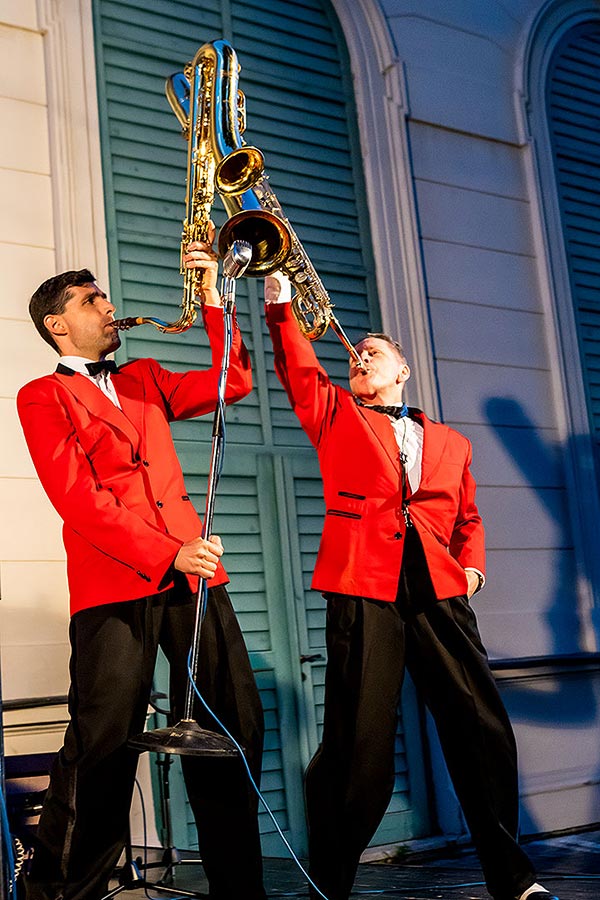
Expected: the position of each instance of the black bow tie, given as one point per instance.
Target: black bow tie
(105, 365)
(397, 412)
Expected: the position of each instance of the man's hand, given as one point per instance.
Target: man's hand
(200, 556)
(277, 288)
(200, 255)
(472, 581)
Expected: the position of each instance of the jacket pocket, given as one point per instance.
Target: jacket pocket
(343, 513)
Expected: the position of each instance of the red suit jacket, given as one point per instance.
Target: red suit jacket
(113, 475)
(362, 542)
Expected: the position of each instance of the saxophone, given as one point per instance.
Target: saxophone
(191, 95)
(255, 213)
(211, 110)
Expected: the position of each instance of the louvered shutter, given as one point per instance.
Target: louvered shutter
(574, 119)
(300, 114)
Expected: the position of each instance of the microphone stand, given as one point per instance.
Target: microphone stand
(187, 737)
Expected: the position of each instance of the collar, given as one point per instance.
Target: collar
(395, 410)
(68, 365)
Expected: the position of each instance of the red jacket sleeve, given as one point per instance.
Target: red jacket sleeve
(190, 394)
(311, 394)
(467, 544)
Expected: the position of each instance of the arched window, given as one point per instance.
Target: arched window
(573, 107)
(560, 81)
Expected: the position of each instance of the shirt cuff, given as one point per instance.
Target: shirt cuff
(481, 576)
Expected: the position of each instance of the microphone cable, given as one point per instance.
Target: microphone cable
(252, 781)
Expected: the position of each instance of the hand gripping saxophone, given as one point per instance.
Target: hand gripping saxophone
(211, 109)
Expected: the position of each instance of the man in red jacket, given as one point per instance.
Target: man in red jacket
(401, 554)
(101, 444)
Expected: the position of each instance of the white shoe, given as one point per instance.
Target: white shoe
(536, 892)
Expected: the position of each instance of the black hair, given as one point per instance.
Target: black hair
(51, 298)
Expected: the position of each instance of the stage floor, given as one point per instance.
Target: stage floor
(569, 866)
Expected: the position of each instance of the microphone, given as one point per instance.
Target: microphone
(237, 259)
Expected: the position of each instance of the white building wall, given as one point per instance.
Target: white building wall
(495, 375)
(33, 605)
(51, 219)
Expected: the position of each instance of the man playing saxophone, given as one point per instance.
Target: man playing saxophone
(401, 555)
(100, 440)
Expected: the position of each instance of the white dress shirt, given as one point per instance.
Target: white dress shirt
(102, 380)
(409, 437)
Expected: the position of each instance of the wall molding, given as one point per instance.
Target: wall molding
(383, 109)
(75, 159)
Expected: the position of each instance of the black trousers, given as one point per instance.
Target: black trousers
(350, 779)
(84, 821)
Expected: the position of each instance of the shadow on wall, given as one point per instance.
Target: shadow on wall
(553, 708)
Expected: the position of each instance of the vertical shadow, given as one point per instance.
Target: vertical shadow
(561, 701)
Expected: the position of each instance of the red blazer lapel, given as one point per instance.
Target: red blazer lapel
(435, 438)
(97, 402)
(131, 393)
(381, 427)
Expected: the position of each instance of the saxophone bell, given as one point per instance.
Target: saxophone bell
(237, 177)
(239, 170)
(267, 235)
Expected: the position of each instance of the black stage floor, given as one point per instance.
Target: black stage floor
(569, 866)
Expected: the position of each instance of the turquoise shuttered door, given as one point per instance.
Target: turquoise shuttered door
(269, 507)
(574, 118)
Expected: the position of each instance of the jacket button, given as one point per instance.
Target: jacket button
(397, 535)
(185, 497)
(159, 503)
(145, 462)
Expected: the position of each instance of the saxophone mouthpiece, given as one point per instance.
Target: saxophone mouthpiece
(126, 324)
(237, 259)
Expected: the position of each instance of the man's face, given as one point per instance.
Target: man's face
(86, 325)
(385, 372)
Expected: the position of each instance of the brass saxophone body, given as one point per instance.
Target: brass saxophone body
(255, 215)
(211, 109)
(191, 95)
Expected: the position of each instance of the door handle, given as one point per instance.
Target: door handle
(311, 657)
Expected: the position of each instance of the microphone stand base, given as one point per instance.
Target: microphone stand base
(186, 738)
